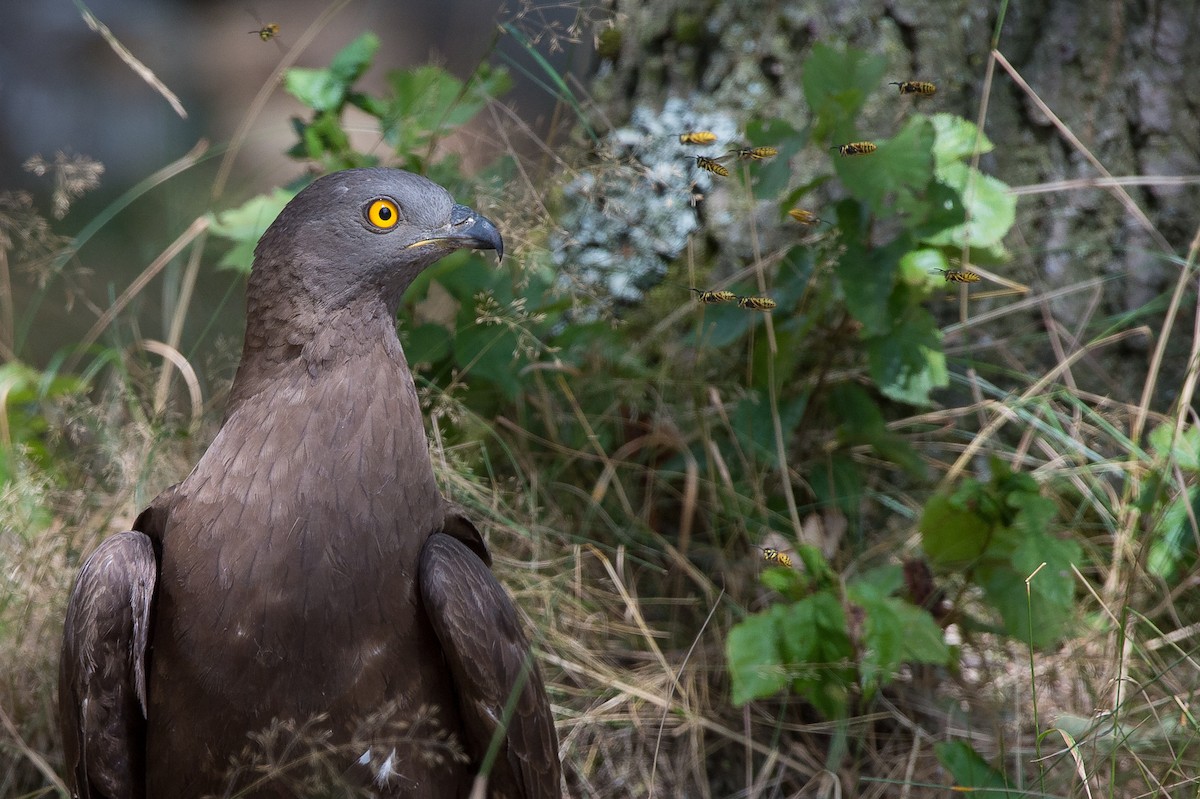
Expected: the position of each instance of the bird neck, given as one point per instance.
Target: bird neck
(283, 339)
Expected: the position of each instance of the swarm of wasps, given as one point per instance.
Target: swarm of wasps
(716, 165)
(918, 89)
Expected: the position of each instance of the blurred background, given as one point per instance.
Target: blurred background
(64, 89)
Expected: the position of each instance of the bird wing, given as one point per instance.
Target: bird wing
(102, 673)
(492, 665)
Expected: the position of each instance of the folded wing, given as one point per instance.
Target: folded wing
(102, 672)
(500, 692)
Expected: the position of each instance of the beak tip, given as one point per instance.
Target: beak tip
(481, 232)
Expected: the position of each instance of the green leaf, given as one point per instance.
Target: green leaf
(1173, 542)
(245, 225)
(818, 652)
(951, 536)
(838, 483)
(972, 771)
(326, 89)
(316, 88)
(1184, 448)
(990, 206)
(355, 58)
(907, 363)
(1040, 614)
(955, 139)
(788, 582)
(754, 657)
(898, 171)
(935, 209)
(863, 423)
(866, 277)
(894, 632)
(487, 353)
(921, 265)
(428, 343)
(836, 83)
(754, 426)
(427, 100)
(773, 176)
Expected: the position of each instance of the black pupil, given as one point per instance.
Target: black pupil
(385, 213)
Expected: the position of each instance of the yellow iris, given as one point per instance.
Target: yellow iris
(383, 213)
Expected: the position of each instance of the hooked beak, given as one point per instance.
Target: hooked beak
(467, 229)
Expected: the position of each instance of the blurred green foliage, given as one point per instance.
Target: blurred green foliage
(996, 535)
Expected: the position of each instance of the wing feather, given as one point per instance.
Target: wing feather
(493, 669)
(102, 672)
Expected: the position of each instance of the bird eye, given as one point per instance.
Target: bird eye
(383, 213)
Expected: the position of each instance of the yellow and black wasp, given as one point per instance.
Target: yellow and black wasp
(756, 303)
(921, 88)
(804, 217)
(710, 165)
(713, 297)
(698, 137)
(267, 32)
(751, 153)
(772, 555)
(855, 148)
(959, 276)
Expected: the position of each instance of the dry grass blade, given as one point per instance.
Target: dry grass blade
(1080, 768)
(144, 72)
(176, 359)
(1003, 410)
(183, 302)
(635, 611)
(36, 759)
(198, 226)
(661, 702)
(674, 683)
(1103, 183)
(1118, 189)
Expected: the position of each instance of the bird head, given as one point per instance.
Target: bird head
(363, 234)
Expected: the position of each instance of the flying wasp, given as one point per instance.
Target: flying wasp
(919, 87)
(959, 276)
(756, 303)
(772, 555)
(267, 32)
(751, 153)
(855, 148)
(804, 217)
(713, 297)
(710, 165)
(698, 137)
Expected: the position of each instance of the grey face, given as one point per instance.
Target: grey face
(366, 231)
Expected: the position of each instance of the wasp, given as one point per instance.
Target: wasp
(920, 87)
(698, 137)
(772, 555)
(752, 153)
(856, 148)
(710, 165)
(804, 217)
(713, 297)
(959, 276)
(267, 32)
(756, 303)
